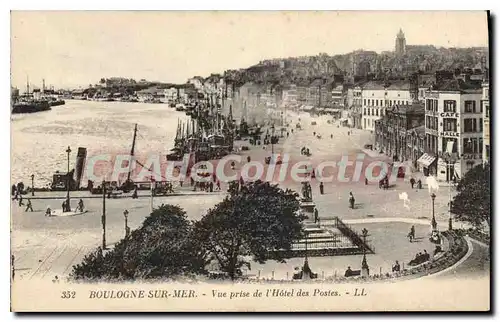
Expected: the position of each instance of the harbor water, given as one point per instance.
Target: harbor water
(39, 140)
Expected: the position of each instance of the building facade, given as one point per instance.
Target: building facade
(378, 96)
(486, 121)
(393, 132)
(453, 129)
(357, 107)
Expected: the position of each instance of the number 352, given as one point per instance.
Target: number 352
(68, 294)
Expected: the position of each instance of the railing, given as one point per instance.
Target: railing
(355, 238)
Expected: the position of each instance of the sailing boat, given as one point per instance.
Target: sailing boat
(129, 185)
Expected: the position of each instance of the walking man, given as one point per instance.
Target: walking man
(80, 205)
(29, 206)
(351, 200)
(316, 215)
(412, 182)
(321, 188)
(21, 200)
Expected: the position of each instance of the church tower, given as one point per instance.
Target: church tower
(400, 43)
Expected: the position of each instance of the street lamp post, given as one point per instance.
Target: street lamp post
(103, 218)
(365, 270)
(272, 139)
(68, 206)
(433, 222)
(32, 184)
(450, 160)
(127, 230)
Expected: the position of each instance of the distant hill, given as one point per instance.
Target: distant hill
(418, 58)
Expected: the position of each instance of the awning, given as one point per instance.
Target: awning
(426, 160)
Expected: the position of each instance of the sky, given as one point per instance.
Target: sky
(77, 48)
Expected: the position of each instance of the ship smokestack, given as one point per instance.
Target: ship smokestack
(80, 163)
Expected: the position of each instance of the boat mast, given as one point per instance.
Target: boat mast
(132, 152)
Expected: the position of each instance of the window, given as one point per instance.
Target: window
(487, 111)
(381, 102)
(376, 102)
(444, 143)
(481, 145)
(364, 102)
(450, 106)
(470, 125)
(449, 125)
(470, 106)
(364, 112)
(481, 125)
(467, 144)
(470, 165)
(376, 112)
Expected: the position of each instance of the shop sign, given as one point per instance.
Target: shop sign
(450, 134)
(449, 114)
(471, 156)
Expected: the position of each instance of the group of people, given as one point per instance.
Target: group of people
(384, 183)
(419, 183)
(305, 151)
(420, 258)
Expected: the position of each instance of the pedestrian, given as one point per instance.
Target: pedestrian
(29, 206)
(366, 181)
(48, 212)
(316, 215)
(287, 134)
(412, 182)
(396, 268)
(419, 184)
(134, 194)
(314, 133)
(248, 159)
(211, 186)
(351, 200)
(331, 136)
(321, 188)
(80, 205)
(21, 200)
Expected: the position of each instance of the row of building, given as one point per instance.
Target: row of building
(441, 131)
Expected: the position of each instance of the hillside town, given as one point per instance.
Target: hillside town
(394, 95)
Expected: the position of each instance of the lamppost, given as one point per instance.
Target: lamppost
(32, 185)
(68, 206)
(433, 222)
(103, 217)
(450, 160)
(365, 270)
(127, 230)
(272, 139)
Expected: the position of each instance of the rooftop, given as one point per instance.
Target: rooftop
(458, 85)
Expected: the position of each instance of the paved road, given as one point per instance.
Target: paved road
(477, 264)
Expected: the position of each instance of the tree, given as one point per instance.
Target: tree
(161, 247)
(472, 203)
(256, 220)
